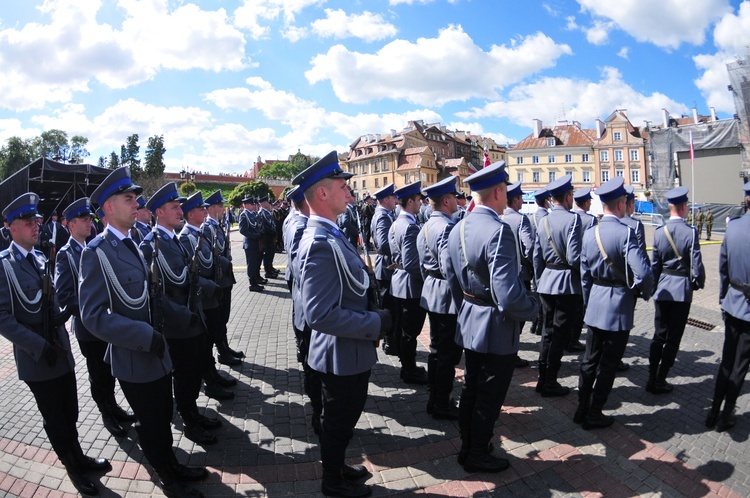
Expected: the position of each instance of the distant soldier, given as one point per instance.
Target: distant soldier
(734, 296)
(700, 218)
(334, 286)
(41, 347)
(265, 218)
(252, 231)
(406, 282)
(709, 223)
(678, 271)
(436, 298)
(367, 212)
(380, 227)
(557, 254)
(347, 221)
(482, 270)
(142, 221)
(582, 198)
(5, 238)
(462, 210)
(613, 272)
(689, 217)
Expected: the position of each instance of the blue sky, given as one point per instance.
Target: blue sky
(228, 81)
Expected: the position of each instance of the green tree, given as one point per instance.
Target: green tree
(187, 189)
(301, 161)
(14, 155)
(249, 189)
(155, 156)
(52, 144)
(102, 162)
(285, 171)
(129, 155)
(77, 151)
(114, 160)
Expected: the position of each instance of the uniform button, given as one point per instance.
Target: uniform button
(140, 348)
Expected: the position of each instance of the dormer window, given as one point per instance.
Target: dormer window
(550, 141)
(617, 136)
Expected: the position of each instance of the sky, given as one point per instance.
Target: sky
(227, 81)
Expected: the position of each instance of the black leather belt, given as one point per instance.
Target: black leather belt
(478, 301)
(744, 288)
(608, 283)
(675, 273)
(556, 266)
(435, 274)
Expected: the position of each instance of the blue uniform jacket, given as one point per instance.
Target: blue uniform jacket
(66, 285)
(126, 326)
(553, 275)
(293, 235)
(734, 267)
(189, 237)
(250, 228)
(486, 267)
(432, 244)
(674, 281)
(406, 282)
(347, 222)
(335, 307)
(609, 299)
(380, 226)
(524, 235)
(21, 320)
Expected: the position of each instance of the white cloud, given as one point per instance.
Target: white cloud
(583, 101)
(624, 53)
(73, 49)
(256, 15)
(433, 71)
(598, 33)
(667, 23)
(367, 26)
(409, 2)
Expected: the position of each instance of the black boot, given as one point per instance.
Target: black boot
(232, 352)
(173, 488)
(584, 402)
(551, 388)
(542, 377)
(432, 385)
(713, 415)
(445, 409)
(463, 453)
(414, 375)
(480, 459)
(110, 422)
(661, 386)
(651, 378)
(595, 419)
(335, 485)
(727, 420)
(213, 390)
(76, 474)
(119, 413)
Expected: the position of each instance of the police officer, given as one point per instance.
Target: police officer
(79, 216)
(179, 312)
(734, 295)
(334, 285)
(678, 271)
(269, 237)
(582, 198)
(482, 270)
(461, 210)
(367, 212)
(115, 307)
(348, 221)
(59, 235)
(406, 282)
(142, 222)
(5, 238)
(557, 254)
(432, 244)
(294, 227)
(541, 196)
(613, 272)
(216, 234)
(380, 227)
(252, 231)
(195, 239)
(41, 346)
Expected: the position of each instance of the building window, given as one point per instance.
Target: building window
(550, 141)
(617, 136)
(355, 184)
(552, 176)
(586, 176)
(535, 159)
(377, 184)
(635, 176)
(584, 158)
(377, 168)
(605, 175)
(568, 158)
(571, 173)
(604, 156)
(633, 154)
(385, 165)
(618, 156)
(551, 158)
(536, 177)
(519, 160)
(385, 181)
(620, 172)
(519, 176)
(364, 184)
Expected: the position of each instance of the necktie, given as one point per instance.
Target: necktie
(32, 261)
(131, 245)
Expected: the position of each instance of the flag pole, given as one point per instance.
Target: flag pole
(692, 175)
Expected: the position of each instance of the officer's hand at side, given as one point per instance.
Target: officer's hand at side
(386, 322)
(157, 345)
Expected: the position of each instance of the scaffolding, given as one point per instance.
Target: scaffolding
(739, 85)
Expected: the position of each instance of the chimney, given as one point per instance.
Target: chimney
(695, 115)
(599, 128)
(393, 133)
(713, 114)
(537, 128)
(577, 124)
(665, 116)
(624, 112)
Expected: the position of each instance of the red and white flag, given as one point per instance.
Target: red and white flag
(486, 157)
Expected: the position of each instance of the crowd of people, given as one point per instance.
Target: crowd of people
(147, 294)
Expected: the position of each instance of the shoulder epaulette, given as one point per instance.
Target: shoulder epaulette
(95, 241)
(5, 253)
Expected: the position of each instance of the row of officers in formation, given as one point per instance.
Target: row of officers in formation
(478, 275)
(148, 305)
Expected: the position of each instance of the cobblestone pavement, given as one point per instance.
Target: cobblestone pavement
(657, 447)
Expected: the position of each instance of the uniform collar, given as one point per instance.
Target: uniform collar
(20, 249)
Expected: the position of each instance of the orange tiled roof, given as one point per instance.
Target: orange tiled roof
(565, 135)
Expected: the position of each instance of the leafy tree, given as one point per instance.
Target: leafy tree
(249, 189)
(52, 144)
(77, 151)
(286, 171)
(102, 162)
(155, 156)
(129, 155)
(187, 189)
(114, 160)
(14, 155)
(301, 161)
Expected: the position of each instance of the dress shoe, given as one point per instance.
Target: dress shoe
(622, 367)
(463, 453)
(521, 363)
(175, 489)
(91, 464)
(236, 354)
(442, 411)
(414, 375)
(344, 488)
(112, 425)
(554, 390)
(725, 422)
(317, 428)
(120, 414)
(390, 348)
(261, 281)
(198, 434)
(576, 347)
(711, 418)
(271, 276)
(185, 473)
(207, 422)
(256, 288)
(580, 415)
(229, 360)
(662, 387)
(485, 463)
(82, 483)
(354, 472)
(215, 391)
(597, 420)
(224, 381)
